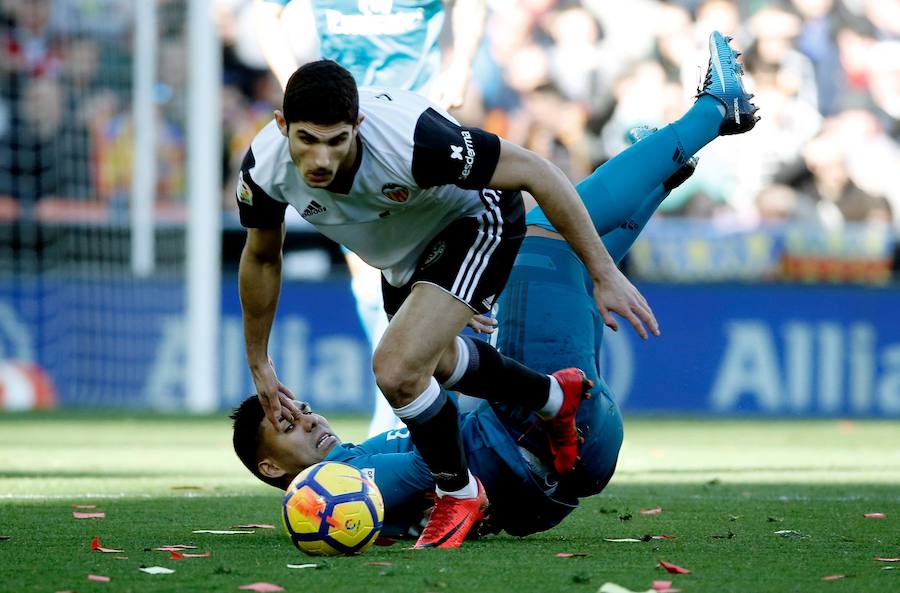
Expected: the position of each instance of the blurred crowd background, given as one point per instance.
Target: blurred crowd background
(564, 78)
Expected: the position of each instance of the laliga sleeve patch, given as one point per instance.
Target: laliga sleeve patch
(257, 209)
(445, 153)
(244, 193)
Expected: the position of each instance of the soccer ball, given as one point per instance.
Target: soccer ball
(331, 508)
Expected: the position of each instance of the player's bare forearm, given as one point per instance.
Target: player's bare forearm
(259, 283)
(521, 169)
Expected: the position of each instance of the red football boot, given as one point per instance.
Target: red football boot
(452, 519)
(561, 433)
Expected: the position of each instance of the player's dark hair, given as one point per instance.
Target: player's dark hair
(321, 92)
(247, 426)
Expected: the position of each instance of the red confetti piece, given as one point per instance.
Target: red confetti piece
(78, 515)
(875, 516)
(175, 548)
(653, 511)
(880, 559)
(572, 555)
(261, 587)
(664, 587)
(95, 545)
(84, 506)
(255, 526)
(181, 556)
(98, 578)
(663, 536)
(834, 577)
(379, 563)
(673, 568)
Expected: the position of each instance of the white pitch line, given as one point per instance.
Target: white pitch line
(122, 495)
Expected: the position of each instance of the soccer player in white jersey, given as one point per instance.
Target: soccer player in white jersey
(396, 180)
(383, 43)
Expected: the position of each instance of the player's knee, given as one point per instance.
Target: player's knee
(399, 388)
(398, 381)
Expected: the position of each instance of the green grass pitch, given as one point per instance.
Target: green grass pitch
(725, 488)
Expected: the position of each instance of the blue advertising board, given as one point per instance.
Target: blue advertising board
(725, 349)
(779, 350)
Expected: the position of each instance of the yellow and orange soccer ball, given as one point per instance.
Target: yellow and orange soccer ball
(331, 509)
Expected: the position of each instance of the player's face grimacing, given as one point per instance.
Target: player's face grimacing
(320, 151)
(300, 444)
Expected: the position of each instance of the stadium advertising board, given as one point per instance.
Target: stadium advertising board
(726, 349)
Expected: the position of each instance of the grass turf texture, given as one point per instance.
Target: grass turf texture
(159, 478)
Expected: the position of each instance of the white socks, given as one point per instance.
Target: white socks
(421, 404)
(462, 363)
(469, 491)
(554, 400)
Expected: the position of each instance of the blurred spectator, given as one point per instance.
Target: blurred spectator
(816, 41)
(567, 78)
(30, 49)
(47, 143)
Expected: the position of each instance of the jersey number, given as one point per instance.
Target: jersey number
(400, 433)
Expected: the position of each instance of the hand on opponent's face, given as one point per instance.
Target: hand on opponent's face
(296, 443)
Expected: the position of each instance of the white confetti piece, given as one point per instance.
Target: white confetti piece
(156, 570)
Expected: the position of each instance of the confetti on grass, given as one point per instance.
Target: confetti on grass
(98, 578)
(789, 533)
(95, 545)
(875, 516)
(664, 587)
(379, 563)
(84, 506)
(78, 515)
(303, 566)
(4, 538)
(646, 538)
(221, 531)
(175, 548)
(156, 570)
(255, 526)
(261, 587)
(616, 588)
(181, 556)
(673, 568)
(653, 511)
(834, 577)
(882, 559)
(572, 555)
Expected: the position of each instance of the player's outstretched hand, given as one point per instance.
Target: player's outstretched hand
(616, 294)
(482, 324)
(276, 399)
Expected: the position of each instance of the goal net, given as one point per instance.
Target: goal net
(76, 312)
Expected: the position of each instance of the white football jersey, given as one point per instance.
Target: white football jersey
(418, 171)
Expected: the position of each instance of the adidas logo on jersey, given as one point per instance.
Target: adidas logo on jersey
(312, 209)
